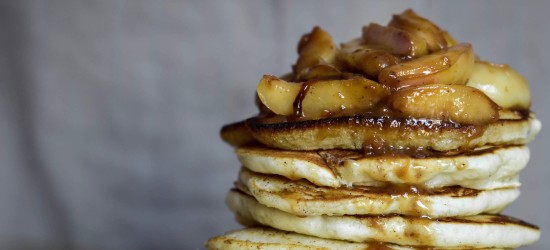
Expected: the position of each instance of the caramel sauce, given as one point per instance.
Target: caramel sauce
(297, 105)
(417, 229)
(336, 157)
(415, 197)
(413, 200)
(377, 246)
(376, 223)
(403, 172)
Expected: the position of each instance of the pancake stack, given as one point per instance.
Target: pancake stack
(400, 139)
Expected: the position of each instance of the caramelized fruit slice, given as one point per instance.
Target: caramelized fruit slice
(421, 27)
(368, 61)
(319, 72)
(502, 84)
(396, 41)
(315, 48)
(278, 95)
(341, 97)
(320, 98)
(452, 65)
(458, 103)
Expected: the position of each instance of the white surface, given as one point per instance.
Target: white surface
(110, 110)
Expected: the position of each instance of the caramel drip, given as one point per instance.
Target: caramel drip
(425, 248)
(418, 231)
(377, 246)
(297, 105)
(336, 157)
(414, 195)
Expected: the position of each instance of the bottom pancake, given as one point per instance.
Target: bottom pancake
(480, 231)
(303, 198)
(260, 238)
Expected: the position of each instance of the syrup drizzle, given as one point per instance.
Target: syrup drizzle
(297, 105)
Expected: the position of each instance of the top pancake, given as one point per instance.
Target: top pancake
(361, 132)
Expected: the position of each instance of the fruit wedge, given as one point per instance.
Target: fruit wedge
(396, 41)
(421, 27)
(457, 103)
(368, 61)
(315, 48)
(452, 65)
(319, 99)
(502, 84)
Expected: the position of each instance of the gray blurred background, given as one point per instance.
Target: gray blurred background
(110, 110)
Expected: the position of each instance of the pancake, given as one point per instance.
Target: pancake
(490, 168)
(261, 238)
(360, 132)
(236, 134)
(303, 198)
(479, 231)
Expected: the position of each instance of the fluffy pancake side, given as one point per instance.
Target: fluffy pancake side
(272, 239)
(303, 198)
(490, 230)
(481, 169)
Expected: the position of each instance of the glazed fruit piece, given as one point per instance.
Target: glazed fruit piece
(502, 84)
(448, 66)
(318, 99)
(368, 61)
(421, 27)
(396, 41)
(457, 103)
(315, 48)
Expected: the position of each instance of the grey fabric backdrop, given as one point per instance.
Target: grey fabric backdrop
(110, 110)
